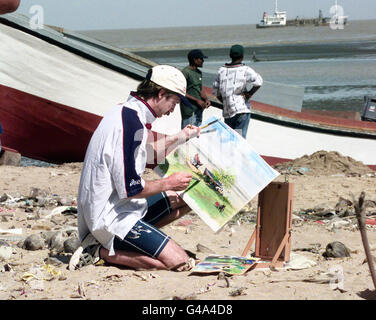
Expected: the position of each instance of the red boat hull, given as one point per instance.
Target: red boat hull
(42, 129)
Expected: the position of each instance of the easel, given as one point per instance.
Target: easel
(273, 228)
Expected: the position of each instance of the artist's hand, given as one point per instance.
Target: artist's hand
(179, 181)
(207, 103)
(188, 132)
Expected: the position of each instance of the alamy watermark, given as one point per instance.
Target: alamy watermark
(338, 18)
(37, 19)
(338, 279)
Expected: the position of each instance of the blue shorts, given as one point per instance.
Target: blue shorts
(144, 237)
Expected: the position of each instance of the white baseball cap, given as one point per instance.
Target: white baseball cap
(170, 78)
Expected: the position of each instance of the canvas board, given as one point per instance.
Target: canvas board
(227, 172)
(228, 264)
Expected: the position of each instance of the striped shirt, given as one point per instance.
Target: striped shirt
(111, 174)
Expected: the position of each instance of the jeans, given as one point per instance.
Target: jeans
(239, 123)
(195, 119)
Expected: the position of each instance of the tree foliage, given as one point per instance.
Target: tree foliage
(226, 177)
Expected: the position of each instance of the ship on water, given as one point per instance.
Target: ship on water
(278, 19)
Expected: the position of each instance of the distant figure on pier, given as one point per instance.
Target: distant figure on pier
(253, 58)
(7, 6)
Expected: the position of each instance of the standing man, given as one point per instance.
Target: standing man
(119, 213)
(230, 87)
(199, 101)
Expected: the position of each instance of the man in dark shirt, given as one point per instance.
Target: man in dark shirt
(199, 101)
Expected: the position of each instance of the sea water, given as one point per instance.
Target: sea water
(337, 68)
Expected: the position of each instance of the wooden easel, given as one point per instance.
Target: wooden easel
(273, 228)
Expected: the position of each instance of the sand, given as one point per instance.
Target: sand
(316, 189)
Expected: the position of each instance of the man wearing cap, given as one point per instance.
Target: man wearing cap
(231, 88)
(119, 213)
(192, 114)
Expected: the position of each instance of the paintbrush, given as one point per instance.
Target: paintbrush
(209, 124)
(193, 184)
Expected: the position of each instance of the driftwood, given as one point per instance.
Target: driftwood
(361, 217)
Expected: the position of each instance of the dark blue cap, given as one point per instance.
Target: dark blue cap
(196, 53)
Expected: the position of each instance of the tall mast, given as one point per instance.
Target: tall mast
(276, 7)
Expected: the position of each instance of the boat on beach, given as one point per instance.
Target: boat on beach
(56, 85)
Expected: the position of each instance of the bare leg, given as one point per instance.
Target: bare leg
(171, 256)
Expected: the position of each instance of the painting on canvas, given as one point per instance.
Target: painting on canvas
(227, 264)
(226, 171)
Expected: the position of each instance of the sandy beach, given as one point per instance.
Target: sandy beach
(37, 274)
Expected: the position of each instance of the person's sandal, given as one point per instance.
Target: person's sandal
(87, 253)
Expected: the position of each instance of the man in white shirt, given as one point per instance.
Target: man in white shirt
(230, 87)
(119, 213)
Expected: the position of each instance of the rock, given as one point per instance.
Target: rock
(71, 244)
(4, 197)
(65, 201)
(53, 261)
(34, 242)
(5, 252)
(56, 243)
(336, 249)
(36, 192)
(8, 158)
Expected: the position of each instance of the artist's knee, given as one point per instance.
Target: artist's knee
(172, 255)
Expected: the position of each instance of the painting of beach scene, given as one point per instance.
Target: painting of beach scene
(228, 264)
(226, 171)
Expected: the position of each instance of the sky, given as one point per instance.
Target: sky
(133, 14)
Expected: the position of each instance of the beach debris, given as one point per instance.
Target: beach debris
(6, 251)
(191, 296)
(53, 261)
(222, 276)
(336, 249)
(299, 262)
(39, 274)
(324, 163)
(71, 244)
(360, 216)
(113, 278)
(314, 248)
(10, 158)
(34, 242)
(337, 223)
(145, 277)
(201, 248)
(56, 243)
(238, 292)
(11, 231)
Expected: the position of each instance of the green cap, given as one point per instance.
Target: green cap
(236, 51)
